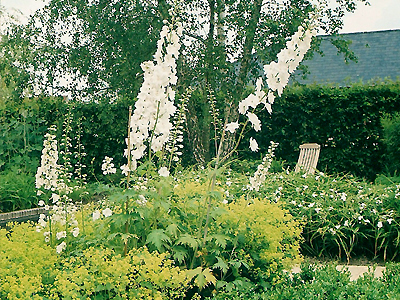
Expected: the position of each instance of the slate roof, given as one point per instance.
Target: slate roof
(378, 54)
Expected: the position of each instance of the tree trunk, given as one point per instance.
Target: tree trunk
(231, 110)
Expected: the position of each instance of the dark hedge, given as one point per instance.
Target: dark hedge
(345, 121)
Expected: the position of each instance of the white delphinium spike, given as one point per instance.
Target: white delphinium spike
(289, 58)
(262, 170)
(108, 166)
(56, 178)
(155, 102)
(48, 171)
(278, 73)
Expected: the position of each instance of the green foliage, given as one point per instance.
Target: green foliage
(345, 121)
(17, 191)
(342, 216)
(21, 140)
(391, 139)
(102, 42)
(326, 282)
(30, 269)
(25, 262)
(100, 274)
(246, 242)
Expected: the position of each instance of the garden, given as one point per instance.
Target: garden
(179, 183)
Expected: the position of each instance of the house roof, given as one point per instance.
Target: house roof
(378, 55)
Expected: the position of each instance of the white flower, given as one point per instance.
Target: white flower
(155, 101)
(42, 221)
(96, 215)
(61, 234)
(389, 221)
(255, 122)
(41, 203)
(125, 170)
(107, 212)
(278, 73)
(108, 166)
(75, 231)
(262, 170)
(46, 236)
(380, 224)
(253, 145)
(142, 200)
(61, 247)
(48, 171)
(55, 198)
(231, 127)
(163, 172)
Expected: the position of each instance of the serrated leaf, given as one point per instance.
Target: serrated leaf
(187, 239)
(172, 230)
(220, 240)
(202, 277)
(179, 254)
(221, 264)
(158, 238)
(208, 276)
(193, 272)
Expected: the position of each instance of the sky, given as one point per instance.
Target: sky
(381, 15)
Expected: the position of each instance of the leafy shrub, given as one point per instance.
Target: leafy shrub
(342, 216)
(26, 262)
(100, 274)
(265, 237)
(345, 121)
(22, 129)
(248, 242)
(326, 282)
(30, 269)
(391, 126)
(17, 191)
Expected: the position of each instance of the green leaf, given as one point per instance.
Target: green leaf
(220, 240)
(221, 264)
(158, 238)
(194, 272)
(187, 239)
(172, 230)
(202, 277)
(179, 254)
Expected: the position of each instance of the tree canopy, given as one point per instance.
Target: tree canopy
(94, 48)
